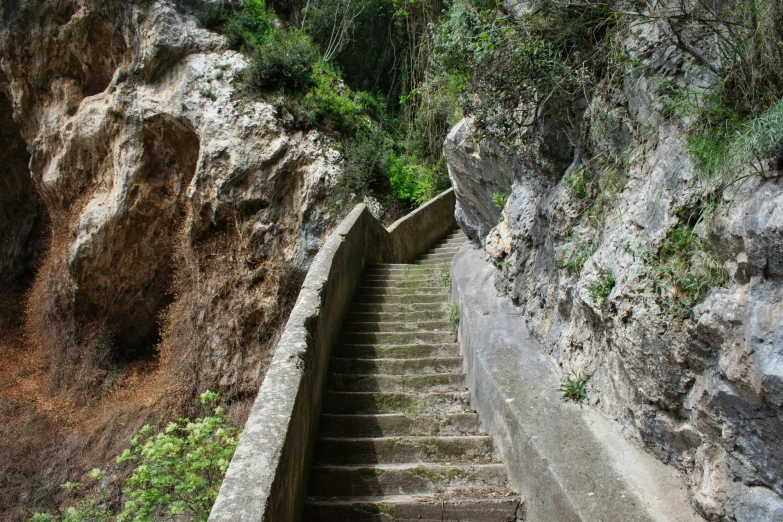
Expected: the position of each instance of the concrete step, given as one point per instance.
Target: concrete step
(398, 425)
(444, 257)
(400, 307)
(401, 508)
(439, 290)
(399, 317)
(432, 382)
(434, 262)
(433, 282)
(412, 337)
(466, 449)
(416, 298)
(409, 403)
(404, 479)
(445, 249)
(398, 326)
(396, 351)
(400, 270)
(397, 366)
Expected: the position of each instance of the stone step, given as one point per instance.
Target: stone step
(435, 262)
(382, 402)
(397, 317)
(445, 257)
(410, 270)
(433, 282)
(400, 307)
(417, 298)
(432, 382)
(398, 425)
(396, 351)
(398, 326)
(401, 508)
(409, 290)
(404, 479)
(466, 449)
(445, 249)
(397, 366)
(412, 337)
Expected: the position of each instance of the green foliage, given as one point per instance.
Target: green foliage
(573, 258)
(332, 105)
(574, 389)
(86, 512)
(247, 29)
(178, 471)
(445, 275)
(599, 289)
(684, 271)
(365, 169)
(500, 199)
(284, 60)
(454, 316)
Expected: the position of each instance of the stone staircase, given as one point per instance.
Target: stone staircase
(398, 438)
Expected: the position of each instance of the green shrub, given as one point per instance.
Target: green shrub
(365, 168)
(330, 103)
(285, 60)
(178, 471)
(599, 289)
(249, 28)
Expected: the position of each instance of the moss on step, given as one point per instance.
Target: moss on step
(442, 447)
(436, 476)
(419, 382)
(388, 446)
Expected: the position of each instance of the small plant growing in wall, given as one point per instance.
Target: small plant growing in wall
(454, 316)
(445, 275)
(599, 289)
(500, 199)
(574, 389)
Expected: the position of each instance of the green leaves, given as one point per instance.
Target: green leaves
(574, 389)
(180, 469)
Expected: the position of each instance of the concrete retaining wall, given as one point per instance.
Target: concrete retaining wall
(267, 478)
(569, 464)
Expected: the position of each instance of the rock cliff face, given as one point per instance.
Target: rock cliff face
(182, 214)
(701, 392)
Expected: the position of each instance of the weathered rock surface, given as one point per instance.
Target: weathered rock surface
(183, 213)
(702, 393)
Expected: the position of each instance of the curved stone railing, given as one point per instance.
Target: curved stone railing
(267, 478)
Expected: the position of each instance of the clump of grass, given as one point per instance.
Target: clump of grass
(454, 316)
(445, 275)
(599, 289)
(574, 389)
(572, 259)
(500, 198)
(684, 271)
(207, 92)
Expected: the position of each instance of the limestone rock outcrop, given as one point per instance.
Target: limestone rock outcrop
(702, 392)
(183, 213)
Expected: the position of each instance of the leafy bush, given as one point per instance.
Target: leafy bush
(178, 471)
(246, 29)
(365, 169)
(285, 60)
(331, 103)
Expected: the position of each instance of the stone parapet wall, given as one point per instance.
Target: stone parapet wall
(267, 478)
